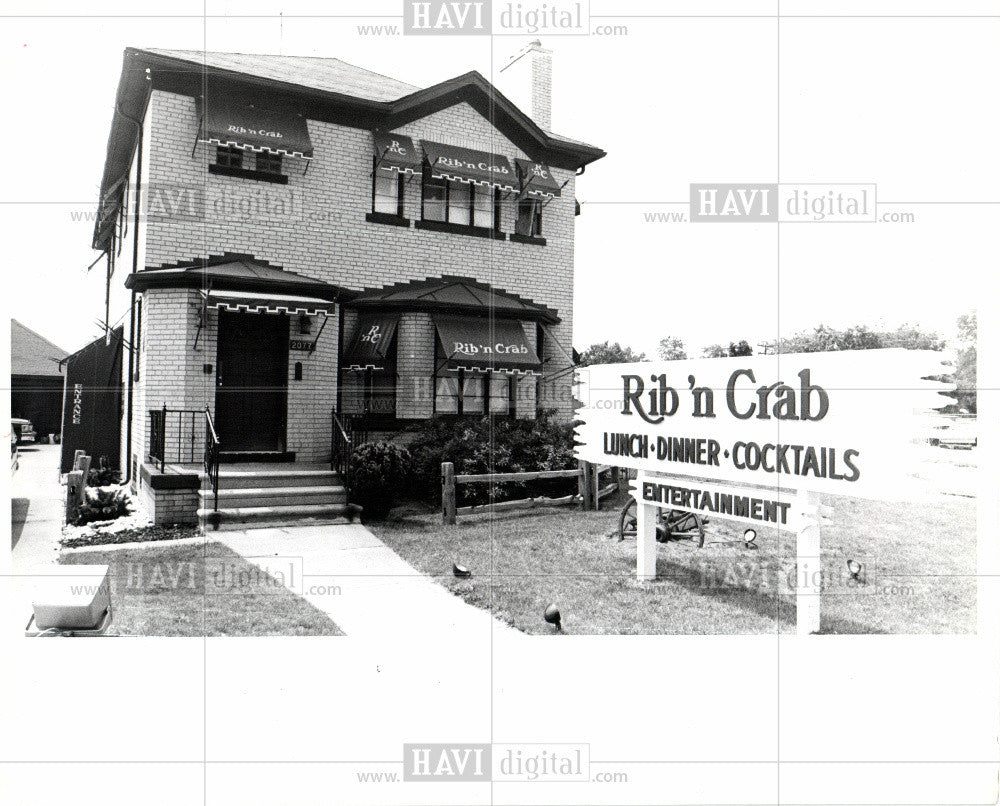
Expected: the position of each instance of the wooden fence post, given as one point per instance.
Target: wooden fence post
(586, 486)
(84, 467)
(595, 476)
(447, 493)
(74, 494)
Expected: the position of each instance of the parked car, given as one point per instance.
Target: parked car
(23, 430)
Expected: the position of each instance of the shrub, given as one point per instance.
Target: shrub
(486, 445)
(103, 477)
(102, 505)
(379, 470)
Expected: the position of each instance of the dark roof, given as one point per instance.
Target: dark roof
(32, 354)
(454, 295)
(319, 89)
(232, 272)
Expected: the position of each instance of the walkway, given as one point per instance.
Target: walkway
(38, 506)
(364, 586)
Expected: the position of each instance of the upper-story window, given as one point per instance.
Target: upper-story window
(529, 218)
(461, 203)
(268, 163)
(388, 191)
(229, 156)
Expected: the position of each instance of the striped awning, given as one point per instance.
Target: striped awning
(240, 124)
(257, 302)
(467, 165)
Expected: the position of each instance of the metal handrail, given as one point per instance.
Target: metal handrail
(212, 457)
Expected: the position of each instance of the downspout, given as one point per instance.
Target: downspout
(131, 340)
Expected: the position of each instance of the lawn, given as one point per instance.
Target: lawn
(171, 590)
(918, 566)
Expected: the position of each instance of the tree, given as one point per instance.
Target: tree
(608, 353)
(671, 349)
(733, 350)
(859, 337)
(965, 363)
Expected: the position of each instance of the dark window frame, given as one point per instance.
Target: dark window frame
(535, 222)
(229, 157)
(487, 376)
(400, 193)
(268, 163)
(427, 179)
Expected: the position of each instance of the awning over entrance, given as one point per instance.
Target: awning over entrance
(372, 339)
(259, 302)
(466, 165)
(238, 123)
(484, 344)
(396, 153)
(536, 180)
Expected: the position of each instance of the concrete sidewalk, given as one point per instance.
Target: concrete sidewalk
(364, 586)
(38, 507)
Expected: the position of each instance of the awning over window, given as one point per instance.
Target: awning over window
(232, 122)
(537, 180)
(372, 339)
(259, 302)
(483, 344)
(396, 153)
(467, 165)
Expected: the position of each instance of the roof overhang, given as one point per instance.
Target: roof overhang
(234, 273)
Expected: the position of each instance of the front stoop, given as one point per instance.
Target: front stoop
(278, 496)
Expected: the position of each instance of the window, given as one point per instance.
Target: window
(388, 191)
(269, 163)
(529, 218)
(460, 203)
(464, 392)
(229, 157)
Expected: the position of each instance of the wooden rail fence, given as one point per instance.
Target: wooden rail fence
(589, 492)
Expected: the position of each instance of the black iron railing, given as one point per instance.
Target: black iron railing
(347, 433)
(185, 436)
(212, 458)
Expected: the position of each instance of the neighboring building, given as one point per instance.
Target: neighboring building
(302, 236)
(36, 379)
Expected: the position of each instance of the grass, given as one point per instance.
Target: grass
(918, 566)
(169, 591)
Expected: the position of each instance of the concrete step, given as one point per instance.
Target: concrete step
(230, 518)
(232, 479)
(235, 498)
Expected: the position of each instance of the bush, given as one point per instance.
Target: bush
(102, 505)
(103, 477)
(486, 445)
(379, 470)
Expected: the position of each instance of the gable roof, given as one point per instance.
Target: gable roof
(231, 272)
(323, 89)
(454, 295)
(31, 353)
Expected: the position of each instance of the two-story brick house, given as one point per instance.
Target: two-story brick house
(301, 237)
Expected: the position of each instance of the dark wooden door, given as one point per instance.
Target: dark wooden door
(251, 381)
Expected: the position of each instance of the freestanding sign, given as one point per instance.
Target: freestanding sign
(841, 423)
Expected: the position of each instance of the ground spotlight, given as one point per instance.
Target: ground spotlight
(553, 616)
(460, 571)
(855, 568)
(749, 536)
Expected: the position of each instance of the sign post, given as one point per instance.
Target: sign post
(645, 540)
(808, 566)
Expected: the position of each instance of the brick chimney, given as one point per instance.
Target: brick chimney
(528, 77)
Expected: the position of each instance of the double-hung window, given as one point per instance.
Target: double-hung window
(229, 156)
(268, 163)
(388, 190)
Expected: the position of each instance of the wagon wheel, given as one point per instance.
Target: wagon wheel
(627, 522)
(682, 523)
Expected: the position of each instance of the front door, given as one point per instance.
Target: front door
(251, 381)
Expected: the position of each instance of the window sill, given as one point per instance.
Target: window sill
(537, 240)
(459, 229)
(246, 173)
(388, 218)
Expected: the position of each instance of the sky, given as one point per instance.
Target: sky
(673, 101)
